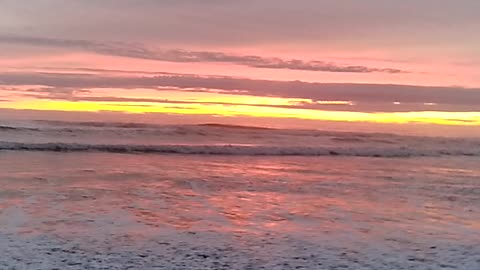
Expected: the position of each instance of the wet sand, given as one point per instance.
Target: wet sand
(117, 211)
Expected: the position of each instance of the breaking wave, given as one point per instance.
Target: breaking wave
(245, 150)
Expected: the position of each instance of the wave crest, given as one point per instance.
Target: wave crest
(245, 150)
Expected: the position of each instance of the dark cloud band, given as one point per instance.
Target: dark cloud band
(183, 56)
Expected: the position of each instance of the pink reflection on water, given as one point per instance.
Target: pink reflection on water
(141, 196)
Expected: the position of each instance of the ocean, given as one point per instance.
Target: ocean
(91, 195)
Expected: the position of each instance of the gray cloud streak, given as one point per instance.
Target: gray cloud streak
(183, 56)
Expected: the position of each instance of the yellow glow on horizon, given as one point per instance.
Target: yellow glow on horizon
(210, 97)
(431, 117)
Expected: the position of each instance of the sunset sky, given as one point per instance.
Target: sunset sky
(297, 63)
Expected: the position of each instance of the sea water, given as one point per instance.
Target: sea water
(137, 196)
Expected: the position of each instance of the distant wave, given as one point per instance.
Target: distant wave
(98, 124)
(7, 128)
(215, 125)
(12, 128)
(387, 152)
(144, 126)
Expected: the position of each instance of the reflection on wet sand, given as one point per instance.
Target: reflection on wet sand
(325, 201)
(216, 194)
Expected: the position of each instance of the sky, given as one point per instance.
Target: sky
(308, 63)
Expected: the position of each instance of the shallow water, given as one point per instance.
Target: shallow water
(150, 211)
